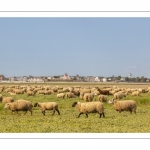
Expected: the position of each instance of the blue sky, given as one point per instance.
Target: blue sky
(84, 46)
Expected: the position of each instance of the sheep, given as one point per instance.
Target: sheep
(61, 95)
(7, 100)
(85, 90)
(88, 97)
(47, 92)
(89, 107)
(30, 93)
(102, 98)
(70, 95)
(104, 92)
(48, 106)
(124, 105)
(135, 93)
(76, 92)
(18, 91)
(119, 95)
(19, 105)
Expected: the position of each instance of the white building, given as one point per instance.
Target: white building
(97, 79)
(104, 79)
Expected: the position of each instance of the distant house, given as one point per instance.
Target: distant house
(89, 79)
(65, 77)
(104, 79)
(97, 79)
(35, 79)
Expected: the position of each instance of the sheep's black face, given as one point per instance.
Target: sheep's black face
(74, 104)
(35, 105)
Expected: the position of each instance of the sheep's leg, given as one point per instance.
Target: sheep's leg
(53, 112)
(80, 114)
(87, 115)
(18, 113)
(58, 111)
(25, 112)
(101, 115)
(43, 112)
(31, 112)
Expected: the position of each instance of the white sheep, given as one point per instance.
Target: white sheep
(88, 97)
(135, 93)
(119, 95)
(89, 107)
(7, 100)
(102, 98)
(61, 95)
(124, 105)
(70, 95)
(19, 105)
(47, 106)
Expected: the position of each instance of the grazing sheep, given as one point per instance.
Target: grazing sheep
(102, 98)
(48, 106)
(61, 95)
(89, 107)
(124, 105)
(30, 93)
(18, 91)
(47, 92)
(19, 105)
(88, 97)
(7, 100)
(119, 95)
(135, 93)
(70, 95)
(76, 92)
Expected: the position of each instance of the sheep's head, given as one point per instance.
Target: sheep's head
(111, 101)
(74, 104)
(36, 104)
(7, 106)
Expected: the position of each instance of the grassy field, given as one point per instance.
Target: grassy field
(68, 122)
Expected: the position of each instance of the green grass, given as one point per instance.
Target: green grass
(68, 122)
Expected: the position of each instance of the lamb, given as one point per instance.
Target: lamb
(60, 95)
(48, 106)
(124, 105)
(89, 107)
(19, 105)
(102, 98)
(7, 100)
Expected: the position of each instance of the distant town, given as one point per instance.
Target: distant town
(76, 78)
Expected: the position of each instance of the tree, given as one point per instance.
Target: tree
(119, 77)
(138, 79)
(127, 79)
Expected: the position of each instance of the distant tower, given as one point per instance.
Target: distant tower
(130, 75)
